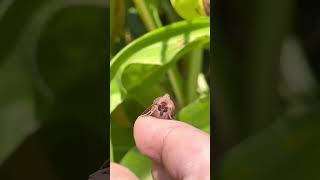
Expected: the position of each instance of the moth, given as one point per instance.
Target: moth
(162, 107)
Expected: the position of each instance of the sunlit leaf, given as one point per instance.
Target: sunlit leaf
(146, 60)
(122, 139)
(139, 164)
(197, 114)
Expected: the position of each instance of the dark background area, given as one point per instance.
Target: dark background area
(53, 88)
(266, 89)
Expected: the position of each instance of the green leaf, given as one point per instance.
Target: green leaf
(289, 149)
(139, 164)
(197, 114)
(122, 139)
(147, 59)
(146, 96)
(189, 9)
(203, 87)
(115, 95)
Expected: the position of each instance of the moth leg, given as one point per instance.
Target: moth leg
(149, 111)
(170, 116)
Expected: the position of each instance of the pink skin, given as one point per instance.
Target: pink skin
(178, 150)
(118, 172)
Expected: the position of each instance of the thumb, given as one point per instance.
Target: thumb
(184, 151)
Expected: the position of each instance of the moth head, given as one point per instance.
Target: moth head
(163, 107)
(170, 102)
(167, 96)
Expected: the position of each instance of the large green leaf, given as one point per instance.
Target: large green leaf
(146, 96)
(197, 114)
(289, 149)
(146, 60)
(139, 164)
(115, 95)
(121, 133)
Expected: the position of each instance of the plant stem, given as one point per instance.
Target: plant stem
(176, 83)
(194, 69)
(145, 15)
(171, 15)
(151, 24)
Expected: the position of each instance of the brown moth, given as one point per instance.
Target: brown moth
(162, 108)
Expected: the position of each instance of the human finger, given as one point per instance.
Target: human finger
(184, 151)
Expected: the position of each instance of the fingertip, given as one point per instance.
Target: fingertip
(118, 172)
(146, 136)
(159, 173)
(179, 147)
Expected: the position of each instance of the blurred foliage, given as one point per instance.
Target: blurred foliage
(266, 84)
(53, 85)
(138, 164)
(286, 150)
(52, 88)
(155, 52)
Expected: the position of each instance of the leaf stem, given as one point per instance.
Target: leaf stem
(194, 68)
(176, 83)
(151, 24)
(145, 14)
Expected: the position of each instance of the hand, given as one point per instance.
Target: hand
(177, 150)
